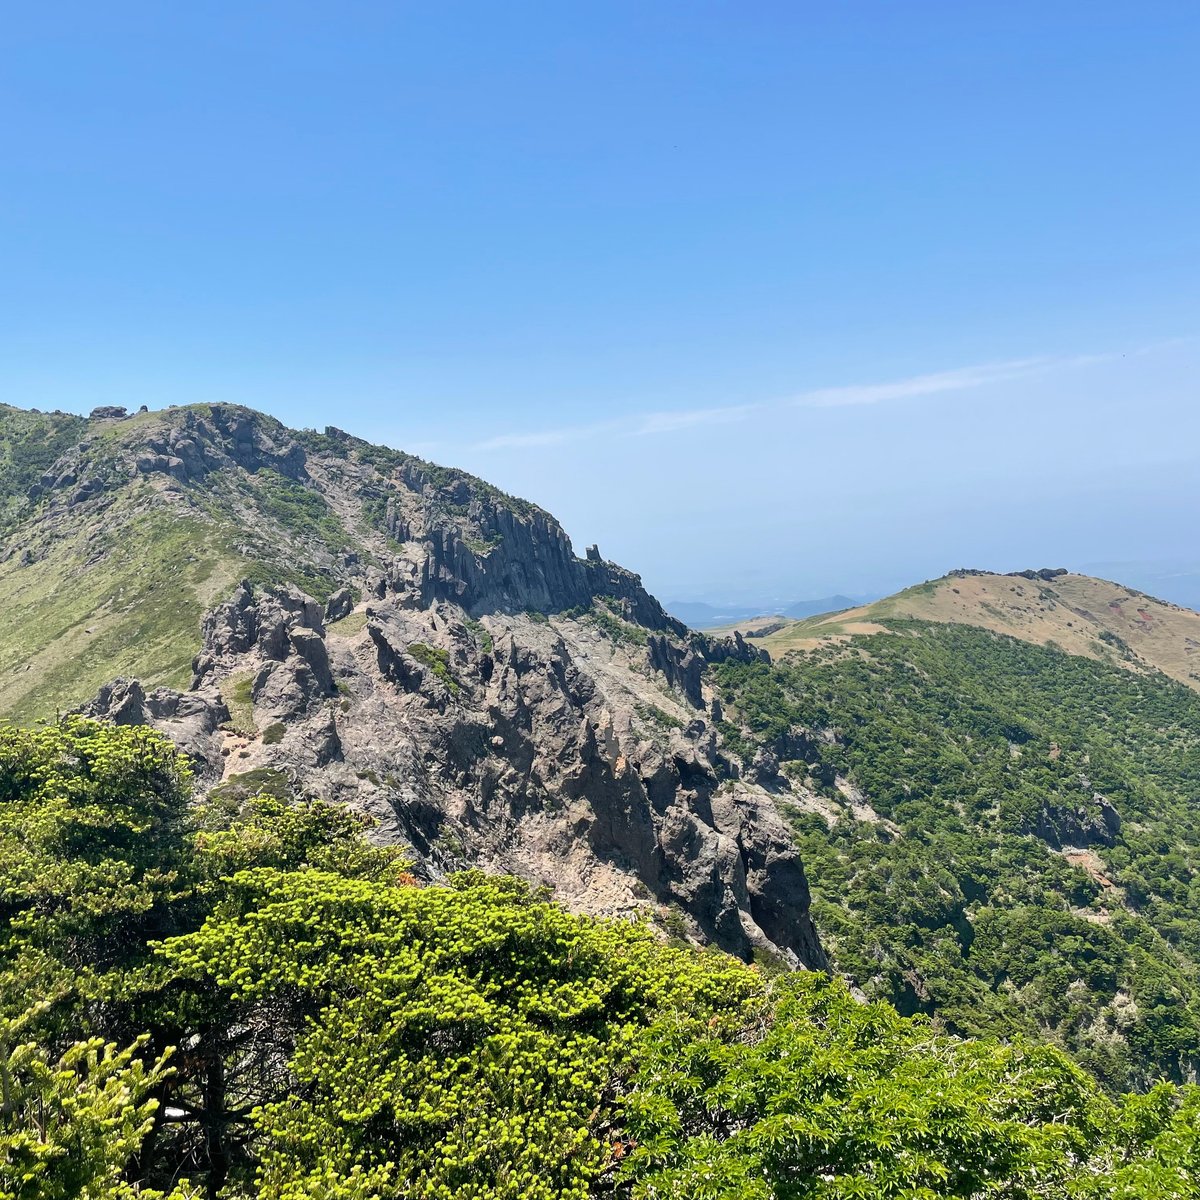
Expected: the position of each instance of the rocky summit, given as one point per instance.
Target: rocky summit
(311, 614)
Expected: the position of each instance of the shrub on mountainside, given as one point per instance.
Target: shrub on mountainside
(30, 442)
(301, 511)
(829, 1097)
(302, 1020)
(438, 661)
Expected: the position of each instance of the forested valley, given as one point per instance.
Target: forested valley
(1028, 859)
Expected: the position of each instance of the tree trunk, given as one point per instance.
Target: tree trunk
(216, 1150)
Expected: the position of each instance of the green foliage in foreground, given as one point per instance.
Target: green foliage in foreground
(986, 754)
(831, 1098)
(250, 996)
(71, 1126)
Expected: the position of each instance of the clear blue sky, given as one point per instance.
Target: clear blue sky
(770, 299)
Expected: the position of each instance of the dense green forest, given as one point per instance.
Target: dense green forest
(246, 999)
(1036, 866)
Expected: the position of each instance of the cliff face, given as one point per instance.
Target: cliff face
(412, 642)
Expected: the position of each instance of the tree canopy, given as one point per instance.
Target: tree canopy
(245, 999)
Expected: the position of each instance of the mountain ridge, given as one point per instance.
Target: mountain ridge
(1080, 614)
(308, 612)
(277, 523)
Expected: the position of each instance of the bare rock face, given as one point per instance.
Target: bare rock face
(540, 746)
(681, 665)
(339, 605)
(1091, 823)
(192, 720)
(243, 624)
(220, 437)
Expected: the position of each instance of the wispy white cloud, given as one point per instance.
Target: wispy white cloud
(545, 437)
(960, 379)
(669, 422)
(635, 426)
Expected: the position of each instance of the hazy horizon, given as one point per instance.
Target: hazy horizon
(771, 301)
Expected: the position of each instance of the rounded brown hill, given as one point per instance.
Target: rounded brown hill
(1077, 613)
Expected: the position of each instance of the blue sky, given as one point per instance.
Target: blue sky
(770, 299)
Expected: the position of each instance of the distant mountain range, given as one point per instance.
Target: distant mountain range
(699, 615)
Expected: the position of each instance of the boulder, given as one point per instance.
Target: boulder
(339, 605)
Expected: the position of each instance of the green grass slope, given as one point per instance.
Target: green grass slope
(123, 601)
(116, 583)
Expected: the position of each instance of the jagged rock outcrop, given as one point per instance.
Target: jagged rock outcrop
(216, 439)
(681, 665)
(512, 561)
(192, 720)
(1042, 574)
(268, 624)
(1087, 824)
(733, 647)
(492, 699)
(537, 746)
(339, 605)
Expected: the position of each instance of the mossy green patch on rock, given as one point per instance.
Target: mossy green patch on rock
(348, 626)
(438, 661)
(262, 781)
(615, 628)
(301, 511)
(273, 734)
(236, 692)
(482, 637)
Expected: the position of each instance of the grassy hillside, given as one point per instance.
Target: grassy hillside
(118, 533)
(123, 601)
(1008, 836)
(114, 581)
(95, 591)
(1077, 613)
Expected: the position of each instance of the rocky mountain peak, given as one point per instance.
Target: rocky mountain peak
(308, 612)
